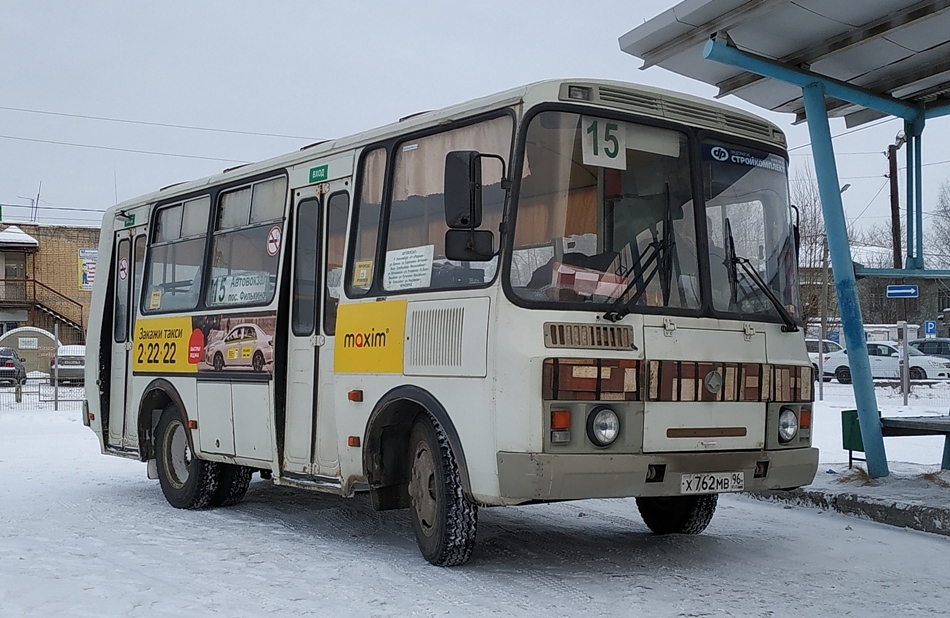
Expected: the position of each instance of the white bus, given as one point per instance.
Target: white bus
(573, 289)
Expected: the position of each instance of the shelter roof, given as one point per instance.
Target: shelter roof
(898, 48)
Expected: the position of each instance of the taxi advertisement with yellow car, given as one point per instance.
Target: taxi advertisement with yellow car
(206, 343)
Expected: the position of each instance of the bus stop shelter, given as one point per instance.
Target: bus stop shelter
(860, 60)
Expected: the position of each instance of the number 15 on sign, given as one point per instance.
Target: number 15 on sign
(604, 142)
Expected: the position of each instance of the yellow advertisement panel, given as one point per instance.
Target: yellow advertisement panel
(370, 337)
(161, 344)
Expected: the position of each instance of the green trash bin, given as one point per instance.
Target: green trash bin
(851, 431)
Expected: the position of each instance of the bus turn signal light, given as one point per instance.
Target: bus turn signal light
(804, 418)
(560, 419)
(192, 424)
(356, 396)
(353, 441)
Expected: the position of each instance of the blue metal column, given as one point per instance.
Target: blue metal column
(845, 286)
(919, 187)
(909, 261)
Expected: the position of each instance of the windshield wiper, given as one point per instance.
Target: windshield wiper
(660, 252)
(734, 260)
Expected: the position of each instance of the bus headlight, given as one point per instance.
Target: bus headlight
(787, 425)
(603, 426)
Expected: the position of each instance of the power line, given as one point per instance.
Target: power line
(861, 128)
(871, 202)
(45, 208)
(113, 148)
(155, 124)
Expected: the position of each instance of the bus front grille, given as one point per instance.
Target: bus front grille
(587, 336)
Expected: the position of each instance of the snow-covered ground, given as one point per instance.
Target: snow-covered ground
(82, 534)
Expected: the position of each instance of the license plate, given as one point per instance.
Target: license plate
(712, 482)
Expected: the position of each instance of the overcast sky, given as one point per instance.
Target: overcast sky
(307, 70)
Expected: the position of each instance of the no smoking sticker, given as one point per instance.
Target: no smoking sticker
(273, 241)
(123, 269)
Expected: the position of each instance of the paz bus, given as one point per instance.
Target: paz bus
(572, 289)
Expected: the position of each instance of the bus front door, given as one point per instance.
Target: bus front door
(309, 431)
(302, 374)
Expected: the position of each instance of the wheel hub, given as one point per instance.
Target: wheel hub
(422, 489)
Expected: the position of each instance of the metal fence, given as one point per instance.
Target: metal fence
(38, 393)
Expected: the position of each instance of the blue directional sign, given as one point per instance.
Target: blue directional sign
(902, 291)
(930, 327)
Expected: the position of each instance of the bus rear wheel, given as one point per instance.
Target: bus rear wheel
(187, 482)
(233, 481)
(444, 521)
(678, 514)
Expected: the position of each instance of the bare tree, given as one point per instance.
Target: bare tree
(937, 232)
(811, 227)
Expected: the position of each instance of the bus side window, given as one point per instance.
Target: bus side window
(247, 237)
(415, 244)
(337, 212)
(173, 280)
(372, 173)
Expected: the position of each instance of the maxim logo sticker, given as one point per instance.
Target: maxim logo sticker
(370, 337)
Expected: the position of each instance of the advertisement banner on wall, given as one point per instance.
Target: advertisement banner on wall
(87, 268)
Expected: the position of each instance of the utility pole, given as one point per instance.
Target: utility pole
(36, 204)
(895, 200)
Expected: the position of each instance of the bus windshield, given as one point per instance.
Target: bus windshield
(607, 220)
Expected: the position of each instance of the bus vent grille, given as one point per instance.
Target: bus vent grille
(436, 339)
(636, 101)
(685, 111)
(587, 336)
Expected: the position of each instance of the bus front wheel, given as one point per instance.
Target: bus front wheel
(443, 519)
(678, 514)
(187, 482)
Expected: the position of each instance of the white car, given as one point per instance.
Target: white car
(885, 363)
(825, 346)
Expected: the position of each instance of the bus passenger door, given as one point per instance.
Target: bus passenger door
(121, 336)
(310, 437)
(303, 338)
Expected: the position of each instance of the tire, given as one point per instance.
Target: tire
(257, 363)
(678, 514)
(843, 375)
(218, 362)
(444, 521)
(233, 481)
(917, 373)
(187, 482)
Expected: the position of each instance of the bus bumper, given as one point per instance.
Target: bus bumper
(527, 477)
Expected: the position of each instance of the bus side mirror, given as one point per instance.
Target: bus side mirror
(469, 245)
(463, 190)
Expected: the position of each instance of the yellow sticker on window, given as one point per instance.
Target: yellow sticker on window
(155, 299)
(362, 273)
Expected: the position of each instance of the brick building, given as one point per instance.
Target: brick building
(48, 272)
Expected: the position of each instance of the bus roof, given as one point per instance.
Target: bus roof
(637, 98)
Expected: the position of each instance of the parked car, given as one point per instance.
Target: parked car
(12, 370)
(245, 345)
(885, 363)
(826, 346)
(938, 346)
(71, 366)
